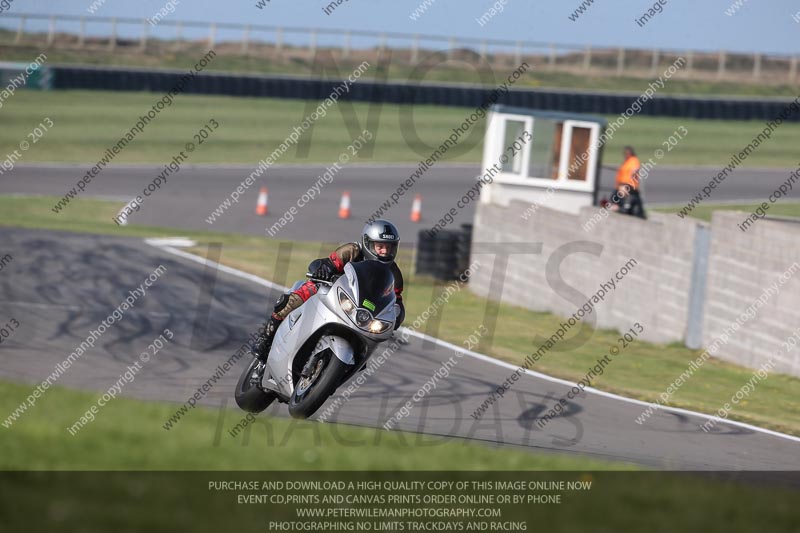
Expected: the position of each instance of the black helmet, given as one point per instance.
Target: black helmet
(381, 231)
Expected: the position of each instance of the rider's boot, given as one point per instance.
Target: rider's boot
(263, 343)
(262, 346)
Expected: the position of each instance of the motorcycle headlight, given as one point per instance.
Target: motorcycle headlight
(363, 318)
(360, 316)
(379, 326)
(348, 306)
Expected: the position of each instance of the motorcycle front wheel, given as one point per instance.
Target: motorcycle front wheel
(311, 392)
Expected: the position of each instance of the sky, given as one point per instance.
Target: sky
(765, 26)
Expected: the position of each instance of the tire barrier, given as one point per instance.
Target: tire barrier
(121, 79)
(444, 256)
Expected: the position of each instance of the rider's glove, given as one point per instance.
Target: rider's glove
(326, 271)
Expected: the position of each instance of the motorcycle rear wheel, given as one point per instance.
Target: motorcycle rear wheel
(250, 397)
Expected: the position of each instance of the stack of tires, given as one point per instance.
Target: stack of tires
(445, 255)
(463, 248)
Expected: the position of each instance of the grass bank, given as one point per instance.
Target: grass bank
(86, 123)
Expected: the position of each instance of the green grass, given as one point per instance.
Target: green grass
(642, 371)
(704, 211)
(123, 472)
(127, 434)
(86, 123)
(457, 71)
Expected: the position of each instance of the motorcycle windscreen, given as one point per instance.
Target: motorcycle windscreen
(375, 285)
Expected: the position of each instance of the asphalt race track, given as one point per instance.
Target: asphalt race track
(61, 286)
(190, 196)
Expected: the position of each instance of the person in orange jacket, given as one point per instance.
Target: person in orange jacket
(626, 198)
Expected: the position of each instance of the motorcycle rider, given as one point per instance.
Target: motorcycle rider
(379, 241)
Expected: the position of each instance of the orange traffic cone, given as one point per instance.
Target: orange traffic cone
(416, 209)
(261, 206)
(344, 205)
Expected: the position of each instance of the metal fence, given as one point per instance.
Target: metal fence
(282, 43)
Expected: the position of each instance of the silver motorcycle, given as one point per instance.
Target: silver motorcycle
(324, 342)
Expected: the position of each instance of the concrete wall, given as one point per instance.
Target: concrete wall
(655, 292)
(742, 265)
